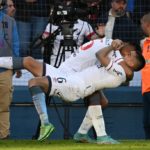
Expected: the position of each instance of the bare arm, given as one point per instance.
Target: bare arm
(102, 55)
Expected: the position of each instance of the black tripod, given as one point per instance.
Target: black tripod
(68, 44)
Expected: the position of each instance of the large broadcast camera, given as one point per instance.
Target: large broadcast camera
(70, 12)
(64, 16)
(2, 4)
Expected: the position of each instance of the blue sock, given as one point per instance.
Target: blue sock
(38, 98)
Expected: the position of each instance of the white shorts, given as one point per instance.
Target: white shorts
(69, 88)
(72, 87)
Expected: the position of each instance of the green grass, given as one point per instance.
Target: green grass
(71, 145)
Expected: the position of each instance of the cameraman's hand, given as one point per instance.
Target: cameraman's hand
(117, 44)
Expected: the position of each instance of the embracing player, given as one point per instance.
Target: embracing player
(80, 75)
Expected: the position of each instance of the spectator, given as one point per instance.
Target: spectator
(10, 8)
(119, 24)
(140, 8)
(9, 45)
(32, 17)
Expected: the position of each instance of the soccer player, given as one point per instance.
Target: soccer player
(87, 74)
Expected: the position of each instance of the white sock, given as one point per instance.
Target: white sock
(95, 113)
(6, 62)
(86, 124)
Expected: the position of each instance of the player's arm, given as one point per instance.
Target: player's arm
(102, 54)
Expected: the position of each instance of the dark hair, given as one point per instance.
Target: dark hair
(136, 46)
(125, 1)
(141, 61)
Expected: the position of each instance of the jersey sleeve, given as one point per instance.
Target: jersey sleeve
(52, 27)
(47, 30)
(116, 70)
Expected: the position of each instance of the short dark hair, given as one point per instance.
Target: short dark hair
(125, 1)
(136, 46)
(141, 61)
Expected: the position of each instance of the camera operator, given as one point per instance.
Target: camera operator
(80, 29)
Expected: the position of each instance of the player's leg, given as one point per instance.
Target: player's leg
(29, 63)
(95, 115)
(103, 99)
(33, 66)
(38, 87)
(82, 133)
(146, 114)
(95, 111)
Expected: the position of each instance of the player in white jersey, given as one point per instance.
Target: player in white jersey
(82, 76)
(85, 56)
(76, 85)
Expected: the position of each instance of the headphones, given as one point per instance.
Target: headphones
(2, 4)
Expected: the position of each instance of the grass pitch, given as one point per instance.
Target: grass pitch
(71, 145)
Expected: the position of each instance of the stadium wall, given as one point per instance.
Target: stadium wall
(123, 117)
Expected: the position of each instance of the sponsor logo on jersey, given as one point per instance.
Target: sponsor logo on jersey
(87, 45)
(117, 72)
(107, 41)
(99, 65)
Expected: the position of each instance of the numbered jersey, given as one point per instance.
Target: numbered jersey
(86, 56)
(75, 85)
(81, 84)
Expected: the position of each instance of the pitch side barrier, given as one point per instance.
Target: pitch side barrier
(123, 116)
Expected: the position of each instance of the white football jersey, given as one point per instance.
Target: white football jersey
(82, 75)
(96, 78)
(86, 55)
(81, 84)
